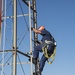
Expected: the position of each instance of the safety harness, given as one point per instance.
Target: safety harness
(50, 57)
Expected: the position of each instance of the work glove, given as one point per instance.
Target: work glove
(31, 28)
(38, 42)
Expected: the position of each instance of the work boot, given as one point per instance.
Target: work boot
(34, 61)
(37, 73)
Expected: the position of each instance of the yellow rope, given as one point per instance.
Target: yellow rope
(49, 57)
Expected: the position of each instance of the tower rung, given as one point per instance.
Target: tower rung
(17, 51)
(17, 63)
(17, 16)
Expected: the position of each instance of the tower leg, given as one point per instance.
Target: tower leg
(37, 70)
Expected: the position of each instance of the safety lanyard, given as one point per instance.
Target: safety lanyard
(50, 57)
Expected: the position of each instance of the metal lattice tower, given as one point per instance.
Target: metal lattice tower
(13, 59)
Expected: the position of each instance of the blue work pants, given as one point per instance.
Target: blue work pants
(36, 51)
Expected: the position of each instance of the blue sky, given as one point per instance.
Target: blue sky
(58, 16)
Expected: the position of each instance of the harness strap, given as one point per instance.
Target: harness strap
(48, 42)
(51, 59)
(47, 55)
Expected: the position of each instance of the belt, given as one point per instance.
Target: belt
(50, 42)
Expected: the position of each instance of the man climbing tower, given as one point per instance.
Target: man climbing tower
(48, 39)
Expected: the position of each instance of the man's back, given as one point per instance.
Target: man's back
(46, 35)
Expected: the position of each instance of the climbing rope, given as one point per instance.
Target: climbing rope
(21, 66)
(4, 39)
(23, 14)
(0, 21)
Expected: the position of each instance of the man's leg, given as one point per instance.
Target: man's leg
(42, 62)
(36, 51)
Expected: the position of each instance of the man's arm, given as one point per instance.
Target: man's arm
(36, 31)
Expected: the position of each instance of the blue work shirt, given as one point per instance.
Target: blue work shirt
(46, 35)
